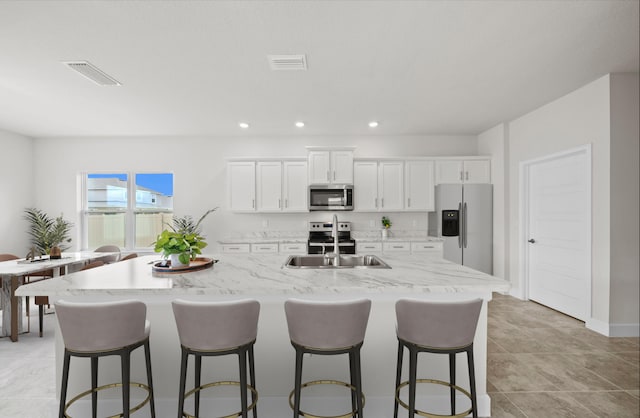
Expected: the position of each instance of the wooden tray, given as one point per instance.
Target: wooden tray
(200, 263)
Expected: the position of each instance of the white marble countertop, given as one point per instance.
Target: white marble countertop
(258, 275)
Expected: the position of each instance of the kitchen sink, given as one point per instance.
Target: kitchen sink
(328, 262)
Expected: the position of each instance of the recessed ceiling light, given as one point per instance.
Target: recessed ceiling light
(300, 124)
(92, 72)
(243, 125)
(373, 124)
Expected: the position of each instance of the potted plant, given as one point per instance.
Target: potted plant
(178, 247)
(47, 233)
(183, 241)
(386, 224)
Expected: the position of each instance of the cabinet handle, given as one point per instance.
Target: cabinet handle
(398, 246)
(382, 202)
(328, 177)
(461, 178)
(234, 248)
(253, 203)
(286, 203)
(408, 202)
(376, 202)
(279, 204)
(334, 175)
(466, 175)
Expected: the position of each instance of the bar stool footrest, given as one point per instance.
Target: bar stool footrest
(437, 382)
(326, 382)
(111, 386)
(223, 383)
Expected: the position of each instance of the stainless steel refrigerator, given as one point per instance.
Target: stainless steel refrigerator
(465, 221)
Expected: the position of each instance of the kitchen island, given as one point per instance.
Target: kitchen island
(263, 277)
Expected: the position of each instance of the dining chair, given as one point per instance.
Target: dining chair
(109, 249)
(129, 257)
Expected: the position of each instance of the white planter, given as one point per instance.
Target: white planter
(175, 261)
(385, 233)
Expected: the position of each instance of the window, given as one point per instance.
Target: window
(124, 209)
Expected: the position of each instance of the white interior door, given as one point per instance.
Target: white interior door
(558, 247)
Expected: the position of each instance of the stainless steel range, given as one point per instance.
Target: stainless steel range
(321, 242)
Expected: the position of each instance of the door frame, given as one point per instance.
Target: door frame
(525, 167)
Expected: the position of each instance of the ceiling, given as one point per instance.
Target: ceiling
(193, 68)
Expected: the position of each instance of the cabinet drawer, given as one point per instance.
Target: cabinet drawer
(299, 248)
(423, 247)
(264, 248)
(235, 248)
(389, 247)
(368, 247)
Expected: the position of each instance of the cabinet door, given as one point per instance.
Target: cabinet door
(242, 186)
(294, 189)
(365, 186)
(449, 171)
(269, 190)
(319, 167)
(419, 186)
(342, 167)
(477, 171)
(391, 185)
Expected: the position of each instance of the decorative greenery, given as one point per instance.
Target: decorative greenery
(386, 222)
(186, 225)
(189, 246)
(46, 232)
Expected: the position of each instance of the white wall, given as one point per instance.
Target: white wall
(625, 201)
(579, 118)
(199, 166)
(17, 191)
(494, 142)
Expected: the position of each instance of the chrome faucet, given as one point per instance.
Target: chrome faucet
(336, 246)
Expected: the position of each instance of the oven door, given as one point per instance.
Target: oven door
(331, 197)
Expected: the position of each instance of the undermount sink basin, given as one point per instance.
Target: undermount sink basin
(328, 262)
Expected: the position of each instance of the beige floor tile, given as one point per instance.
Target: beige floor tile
(602, 342)
(635, 393)
(509, 374)
(617, 371)
(491, 388)
(632, 357)
(521, 342)
(609, 404)
(502, 407)
(559, 341)
(549, 405)
(564, 375)
(493, 347)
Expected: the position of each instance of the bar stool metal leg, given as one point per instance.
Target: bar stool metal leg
(298, 384)
(65, 383)
(147, 357)
(184, 362)
(472, 382)
(398, 377)
(94, 385)
(198, 380)
(252, 377)
(452, 380)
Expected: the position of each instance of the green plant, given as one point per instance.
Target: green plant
(46, 232)
(189, 246)
(186, 225)
(386, 222)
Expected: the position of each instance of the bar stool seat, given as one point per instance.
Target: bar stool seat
(97, 330)
(217, 329)
(441, 328)
(328, 328)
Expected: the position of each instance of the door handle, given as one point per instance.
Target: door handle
(464, 225)
(460, 230)
(533, 241)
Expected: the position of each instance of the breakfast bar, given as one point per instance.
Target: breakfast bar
(265, 278)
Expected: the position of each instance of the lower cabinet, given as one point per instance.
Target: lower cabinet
(368, 247)
(236, 248)
(293, 248)
(396, 247)
(426, 248)
(429, 249)
(264, 248)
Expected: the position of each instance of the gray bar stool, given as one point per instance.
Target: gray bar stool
(97, 330)
(328, 328)
(217, 329)
(442, 328)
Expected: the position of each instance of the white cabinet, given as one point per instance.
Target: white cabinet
(396, 247)
(264, 248)
(463, 171)
(294, 188)
(269, 186)
(419, 186)
(378, 186)
(235, 248)
(331, 167)
(242, 186)
(428, 249)
(368, 247)
(293, 248)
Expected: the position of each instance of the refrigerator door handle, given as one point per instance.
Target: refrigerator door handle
(464, 225)
(460, 230)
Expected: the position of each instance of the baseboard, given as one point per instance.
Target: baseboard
(276, 407)
(613, 330)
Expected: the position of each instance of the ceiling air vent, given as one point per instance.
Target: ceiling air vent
(287, 62)
(93, 73)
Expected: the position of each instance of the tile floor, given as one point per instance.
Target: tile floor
(541, 364)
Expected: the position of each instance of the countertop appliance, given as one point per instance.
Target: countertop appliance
(321, 242)
(331, 197)
(465, 221)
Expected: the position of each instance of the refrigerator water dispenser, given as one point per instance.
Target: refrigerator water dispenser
(450, 223)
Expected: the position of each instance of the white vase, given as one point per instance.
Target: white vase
(385, 233)
(175, 261)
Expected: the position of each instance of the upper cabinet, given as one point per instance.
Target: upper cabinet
(463, 171)
(331, 167)
(241, 186)
(378, 186)
(419, 186)
(268, 186)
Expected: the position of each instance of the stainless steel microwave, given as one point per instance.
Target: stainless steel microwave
(331, 197)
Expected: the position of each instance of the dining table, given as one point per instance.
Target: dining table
(13, 273)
